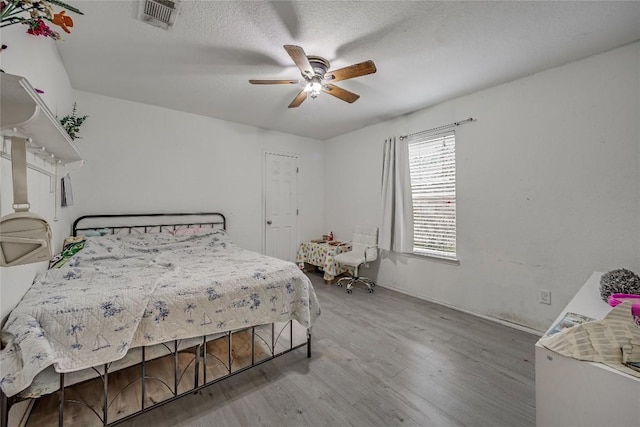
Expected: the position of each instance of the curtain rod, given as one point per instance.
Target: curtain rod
(454, 124)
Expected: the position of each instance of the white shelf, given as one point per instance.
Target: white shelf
(26, 115)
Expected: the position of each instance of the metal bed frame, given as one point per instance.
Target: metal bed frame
(199, 355)
(216, 220)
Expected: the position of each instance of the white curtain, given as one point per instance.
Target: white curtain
(396, 229)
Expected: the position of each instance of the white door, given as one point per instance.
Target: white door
(281, 206)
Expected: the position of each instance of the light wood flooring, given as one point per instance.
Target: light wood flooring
(379, 359)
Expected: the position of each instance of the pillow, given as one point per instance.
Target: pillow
(92, 233)
(193, 231)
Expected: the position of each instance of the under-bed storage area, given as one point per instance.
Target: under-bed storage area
(160, 374)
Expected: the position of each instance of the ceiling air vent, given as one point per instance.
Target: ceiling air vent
(159, 13)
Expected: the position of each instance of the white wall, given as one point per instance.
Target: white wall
(37, 59)
(142, 158)
(548, 188)
(548, 179)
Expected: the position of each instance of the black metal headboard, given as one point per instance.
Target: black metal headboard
(148, 223)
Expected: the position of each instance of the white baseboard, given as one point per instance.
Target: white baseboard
(482, 316)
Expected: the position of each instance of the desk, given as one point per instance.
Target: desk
(321, 255)
(571, 392)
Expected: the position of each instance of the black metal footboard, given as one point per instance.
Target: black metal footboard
(192, 368)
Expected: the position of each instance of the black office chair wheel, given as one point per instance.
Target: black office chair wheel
(373, 285)
(371, 290)
(349, 291)
(339, 284)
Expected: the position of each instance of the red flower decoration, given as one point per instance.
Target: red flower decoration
(40, 28)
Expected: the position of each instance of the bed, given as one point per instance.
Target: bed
(154, 308)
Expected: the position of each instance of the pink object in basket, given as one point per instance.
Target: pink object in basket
(615, 299)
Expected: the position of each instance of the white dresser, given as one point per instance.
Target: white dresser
(570, 392)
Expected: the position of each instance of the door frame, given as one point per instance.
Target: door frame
(263, 229)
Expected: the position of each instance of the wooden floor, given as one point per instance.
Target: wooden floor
(378, 359)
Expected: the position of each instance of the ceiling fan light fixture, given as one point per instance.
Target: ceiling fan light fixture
(314, 70)
(313, 87)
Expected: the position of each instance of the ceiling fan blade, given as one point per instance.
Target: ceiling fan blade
(300, 58)
(299, 99)
(355, 70)
(340, 93)
(274, 82)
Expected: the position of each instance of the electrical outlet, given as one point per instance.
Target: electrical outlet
(545, 297)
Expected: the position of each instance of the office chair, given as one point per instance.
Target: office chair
(364, 249)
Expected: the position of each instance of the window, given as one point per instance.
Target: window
(432, 167)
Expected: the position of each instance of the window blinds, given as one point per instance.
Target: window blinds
(432, 167)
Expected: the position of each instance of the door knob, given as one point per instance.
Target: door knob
(269, 222)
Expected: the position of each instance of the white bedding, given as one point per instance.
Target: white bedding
(121, 292)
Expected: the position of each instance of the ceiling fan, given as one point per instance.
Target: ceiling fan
(316, 77)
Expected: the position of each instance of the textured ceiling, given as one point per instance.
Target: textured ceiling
(425, 53)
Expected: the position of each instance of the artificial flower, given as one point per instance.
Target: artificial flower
(34, 13)
(40, 28)
(63, 21)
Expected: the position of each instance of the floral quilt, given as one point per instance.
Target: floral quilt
(127, 291)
